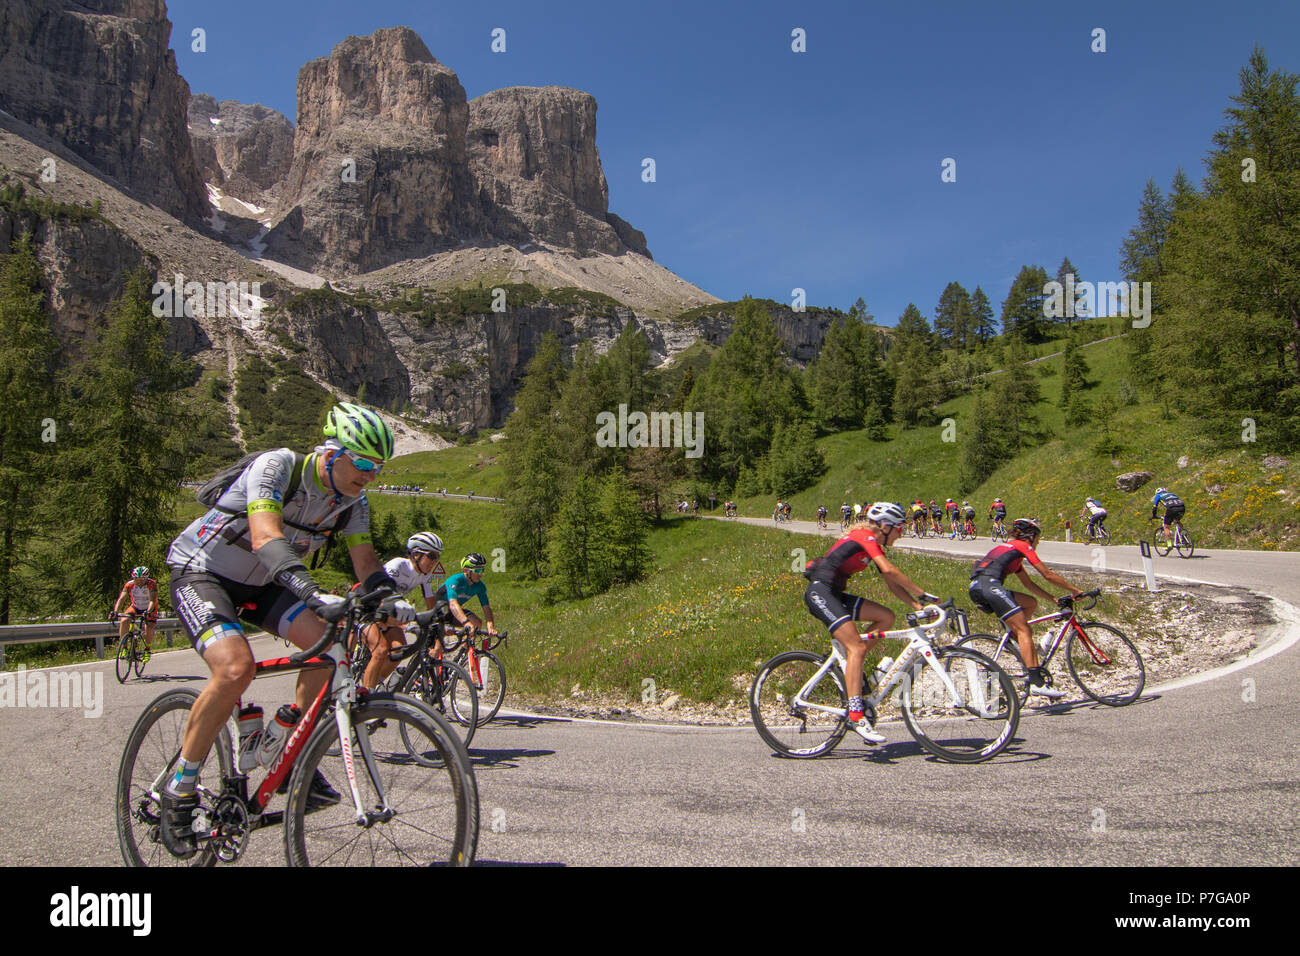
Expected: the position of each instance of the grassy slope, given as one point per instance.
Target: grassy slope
(1256, 507)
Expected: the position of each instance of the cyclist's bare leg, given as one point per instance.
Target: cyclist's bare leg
(392, 639)
(231, 661)
(123, 625)
(856, 646)
(148, 634)
(1018, 624)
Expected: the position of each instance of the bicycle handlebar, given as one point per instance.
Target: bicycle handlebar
(332, 614)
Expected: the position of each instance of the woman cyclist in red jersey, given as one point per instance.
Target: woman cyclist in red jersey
(989, 592)
(838, 610)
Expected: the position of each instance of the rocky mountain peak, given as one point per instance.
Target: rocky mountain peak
(99, 77)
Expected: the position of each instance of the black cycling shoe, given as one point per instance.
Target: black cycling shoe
(177, 819)
(319, 795)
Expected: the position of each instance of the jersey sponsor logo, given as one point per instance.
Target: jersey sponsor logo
(262, 505)
(213, 522)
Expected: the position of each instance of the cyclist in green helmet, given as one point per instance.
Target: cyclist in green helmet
(244, 559)
(141, 594)
(459, 588)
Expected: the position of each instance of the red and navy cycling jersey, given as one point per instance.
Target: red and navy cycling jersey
(847, 557)
(1005, 559)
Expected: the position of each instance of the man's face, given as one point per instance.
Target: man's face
(350, 479)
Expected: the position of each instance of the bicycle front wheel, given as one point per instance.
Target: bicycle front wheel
(972, 726)
(429, 811)
(1183, 542)
(815, 724)
(446, 688)
(137, 657)
(149, 760)
(123, 662)
(1008, 659)
(1161, 544)
(1105, 664)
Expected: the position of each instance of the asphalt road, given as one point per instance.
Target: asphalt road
(1203, 773)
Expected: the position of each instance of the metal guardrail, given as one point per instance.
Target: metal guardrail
(78, 630)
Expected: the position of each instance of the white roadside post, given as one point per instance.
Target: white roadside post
(1149, 565)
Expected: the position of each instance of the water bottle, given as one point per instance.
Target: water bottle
(273, 738)
(250, 736)
(879, 673)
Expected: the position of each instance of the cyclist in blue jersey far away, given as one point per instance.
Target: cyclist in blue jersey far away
(989, 592)
(1174, 509)
(838, 610)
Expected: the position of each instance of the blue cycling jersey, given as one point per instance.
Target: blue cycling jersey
(459, 589)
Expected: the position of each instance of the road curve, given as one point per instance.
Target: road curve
(1204, 774)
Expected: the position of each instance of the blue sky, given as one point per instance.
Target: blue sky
(821, 170)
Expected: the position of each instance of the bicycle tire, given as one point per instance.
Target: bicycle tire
(973, 733)
(123, 661)
(137, 656)
(1009, 659)
(438, 691)
(1103, 535)
(1116, 683)
(1156, 540)
(1184, 540)
(489, 683)
(443, 826)
(145, 762)
(780, 726)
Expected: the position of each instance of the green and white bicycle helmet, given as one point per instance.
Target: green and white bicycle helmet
(360, 430)
(140, 572)
(474, 562)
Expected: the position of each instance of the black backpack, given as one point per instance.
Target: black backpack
(218, 484)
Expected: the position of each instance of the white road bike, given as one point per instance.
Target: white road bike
(957, 703)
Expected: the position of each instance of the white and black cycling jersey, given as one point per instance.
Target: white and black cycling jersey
(408, 579)
(219, 542)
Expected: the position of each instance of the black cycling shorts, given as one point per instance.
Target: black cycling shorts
(829, 606)
(1174, 513)
(206, 605)
(990, 594)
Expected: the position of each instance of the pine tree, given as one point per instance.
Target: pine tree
(981, 317)
(575, 543)
(28, 406)
(1227, 345)
(625, 530)
(982, 451)
(952, 316)
(746, 388)
(794, 458)
(1066, 268)
(1022, 310)
(1017, 393)
(1074, 370)
(911, 327)
(587, 392)
(127, 448)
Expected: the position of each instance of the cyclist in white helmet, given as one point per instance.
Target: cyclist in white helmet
(838, 610)
(417, 569)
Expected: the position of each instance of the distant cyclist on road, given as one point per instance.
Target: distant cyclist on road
(459, 589)
(1096, 515)
(140, 595)
(1174, 509)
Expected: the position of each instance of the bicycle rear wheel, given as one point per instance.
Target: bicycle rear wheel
(972, 728)
(1008, 659)
(123, 662)
(432, 812)
(1105, 664)
(799, 730)
(1183, 541)
(150, 757)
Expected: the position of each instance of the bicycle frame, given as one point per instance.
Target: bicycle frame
(918, 653)
(342, 688)
(1068, 619)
